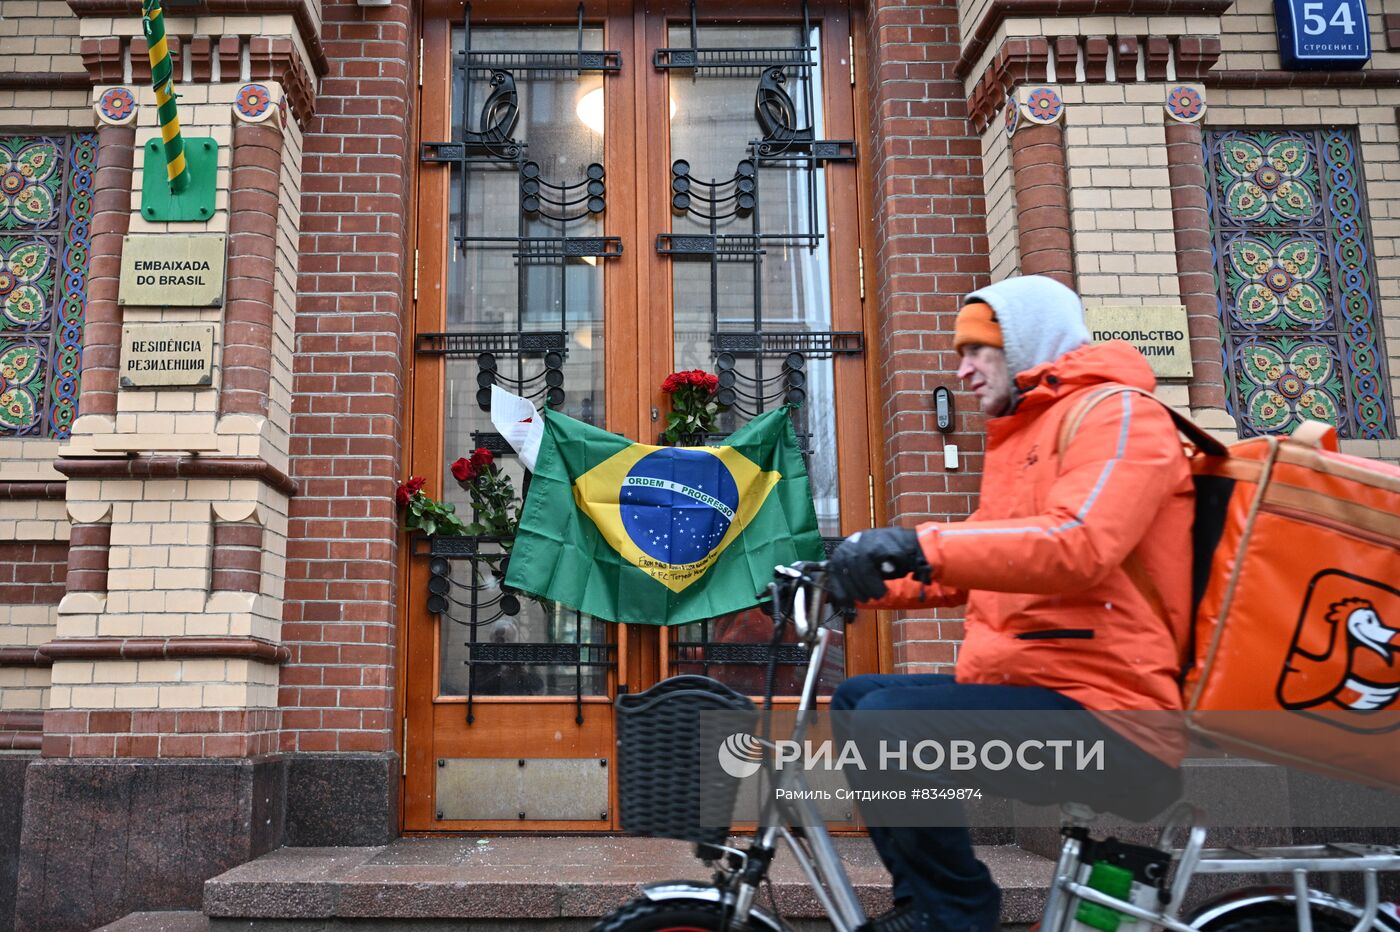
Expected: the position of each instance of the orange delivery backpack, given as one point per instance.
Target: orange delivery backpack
(1296, 587)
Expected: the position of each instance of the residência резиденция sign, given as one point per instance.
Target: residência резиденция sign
(172, 270)
(167, 355)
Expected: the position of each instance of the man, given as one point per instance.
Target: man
(1075, 568)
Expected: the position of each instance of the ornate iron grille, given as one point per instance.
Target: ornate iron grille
(704, 646)
(765, 363)
(1296, 279)
(476, 601)
(45, 212)
(485, 141)
(489, 348)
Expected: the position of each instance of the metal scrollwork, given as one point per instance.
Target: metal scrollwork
(478, 600)
(777, 115)
(729, 212)
(499, 113)
(562, 202)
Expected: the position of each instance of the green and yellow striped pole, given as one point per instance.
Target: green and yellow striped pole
(163, 77)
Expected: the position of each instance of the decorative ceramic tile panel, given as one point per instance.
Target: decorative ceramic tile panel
(1300, 321)
(45, 215)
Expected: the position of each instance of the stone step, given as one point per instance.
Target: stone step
(530, 882)
(174, 921)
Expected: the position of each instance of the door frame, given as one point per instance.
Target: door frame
(638, 149)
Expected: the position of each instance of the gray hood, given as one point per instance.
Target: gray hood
(1040, 319)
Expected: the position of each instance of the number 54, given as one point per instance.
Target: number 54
(1314, 23)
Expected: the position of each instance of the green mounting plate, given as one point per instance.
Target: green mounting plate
(196, 204)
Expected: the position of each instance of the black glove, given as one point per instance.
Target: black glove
(862, 562)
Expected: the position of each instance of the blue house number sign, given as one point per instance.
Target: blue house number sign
(1330, 34)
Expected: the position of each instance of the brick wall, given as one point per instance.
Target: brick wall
(348, 384)
(1120, 194)
(39, 36)
(32, 571)
(931, 249)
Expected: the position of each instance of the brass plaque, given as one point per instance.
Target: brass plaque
(529, 789)
(1158, 331)
(167, 355)
(173, 270)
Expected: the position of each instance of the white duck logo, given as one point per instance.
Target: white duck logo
(1358, 668)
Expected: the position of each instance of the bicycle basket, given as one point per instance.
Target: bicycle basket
(666, 769)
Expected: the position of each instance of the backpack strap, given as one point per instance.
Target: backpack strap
(1202, 441)
(1199, 438)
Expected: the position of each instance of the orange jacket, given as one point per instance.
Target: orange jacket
(1040, 563)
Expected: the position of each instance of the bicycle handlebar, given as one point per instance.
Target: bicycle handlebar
(803, 580)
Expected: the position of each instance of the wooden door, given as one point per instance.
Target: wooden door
(607, 192)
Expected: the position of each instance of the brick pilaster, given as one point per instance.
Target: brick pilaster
(102, 317)
(89, 547)
(1195, 269)
(237, 557)
(348, 385)
(252, 249)
(1042, 201)
(930, 250)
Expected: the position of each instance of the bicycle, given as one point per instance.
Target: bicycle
(1161, 875)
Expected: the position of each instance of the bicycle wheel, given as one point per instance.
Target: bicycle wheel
(1276, 917)
(667, 916)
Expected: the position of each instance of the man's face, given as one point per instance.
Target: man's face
(984, 372)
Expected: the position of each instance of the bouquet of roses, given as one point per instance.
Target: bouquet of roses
(427, 514)
(694, 411)
(492, 495)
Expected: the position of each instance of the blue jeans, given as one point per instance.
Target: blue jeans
(934, 866)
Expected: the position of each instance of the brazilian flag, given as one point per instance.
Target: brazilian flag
(662, 535)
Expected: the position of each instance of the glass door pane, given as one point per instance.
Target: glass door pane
(525, 290)
(751, 276)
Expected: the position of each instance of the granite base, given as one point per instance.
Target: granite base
(104, 838)
(342, 799)
(12, 770)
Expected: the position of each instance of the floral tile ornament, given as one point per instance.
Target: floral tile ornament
(1296, 282)
(1185, 104)
(1288, 378)
(1043, 106)
(116, 106)
(26, 281)
(45, 216)
(1013, 116)
(1279, 281)
(21, 384)
(1269, 179)
(254, 103)
(29, 182)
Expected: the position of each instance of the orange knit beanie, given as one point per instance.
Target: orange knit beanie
(977, 323)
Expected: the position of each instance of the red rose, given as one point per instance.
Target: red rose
(464, 470)
(409, 489)
(482, 458)
(673, 382)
